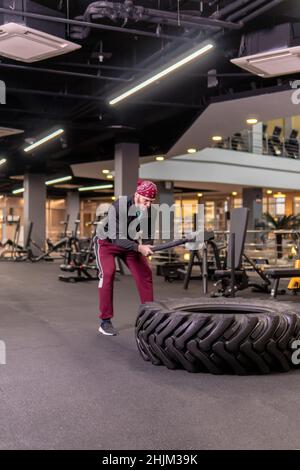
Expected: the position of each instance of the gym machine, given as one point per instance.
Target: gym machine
(79, 260)
(58, 246)
(233, 277)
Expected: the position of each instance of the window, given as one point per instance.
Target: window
(55, 216)
(237, 202)
(280, 206)
(296, 208)
(209, 215)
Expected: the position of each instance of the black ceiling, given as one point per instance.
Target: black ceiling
(39, 99)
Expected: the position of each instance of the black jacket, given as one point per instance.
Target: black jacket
(117, 233)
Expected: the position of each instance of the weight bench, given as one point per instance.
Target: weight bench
(233, 277)
(280, 273)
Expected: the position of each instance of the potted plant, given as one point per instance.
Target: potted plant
(284, 222)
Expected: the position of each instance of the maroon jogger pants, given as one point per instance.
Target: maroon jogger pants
(136, 263)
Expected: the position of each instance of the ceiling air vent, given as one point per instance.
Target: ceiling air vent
(271, 52)
(19, 42)
(5, 131)
(272, 64)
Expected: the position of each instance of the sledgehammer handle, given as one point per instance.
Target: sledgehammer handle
(165, 246)
(208, 236)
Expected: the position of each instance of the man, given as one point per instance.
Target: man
(116, 238)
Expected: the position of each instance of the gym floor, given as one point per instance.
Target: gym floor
(66, 387)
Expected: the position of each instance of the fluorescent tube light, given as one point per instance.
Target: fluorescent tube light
(45, 139)
(162, 74)
(2, 161)
(91, 188)
(18, 191)
(59, 180)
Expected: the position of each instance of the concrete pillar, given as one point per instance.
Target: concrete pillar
(4, 222)
(165, 192)
(253, 200)
(166, 196)
(35, 208)
(72, 208)
(126, 168)
(288, 127)
(257, 138)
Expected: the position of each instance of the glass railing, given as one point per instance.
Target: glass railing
(247, 141)
(264, 247)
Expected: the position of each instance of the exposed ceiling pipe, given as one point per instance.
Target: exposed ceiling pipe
(170, 50)
(143, 69)
(230, 8)
(85, 24)
(97, 98)
(62, 72)
(243, 11)
(127, 11)
(262, 10)
(248, 17)
(158, 56)
(186, 21)
(102, 66)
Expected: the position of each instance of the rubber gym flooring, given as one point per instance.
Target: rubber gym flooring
(66, 387)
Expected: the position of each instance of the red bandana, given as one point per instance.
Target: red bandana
(147, 189)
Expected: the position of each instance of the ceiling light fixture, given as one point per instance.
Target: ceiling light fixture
(44, 140)
(252, 121)
(109, 177)
(159, 159)
(234, 193)
(199, 194)
(92, 188)
(2, 161)
(59, 180)
(18, 191)
(269, 191)
(185, 60)
(105, 172)
(217, 138)
(191, 150)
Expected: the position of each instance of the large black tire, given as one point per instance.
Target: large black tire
(235, 336)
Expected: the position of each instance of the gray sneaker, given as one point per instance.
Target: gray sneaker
(106, 328)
